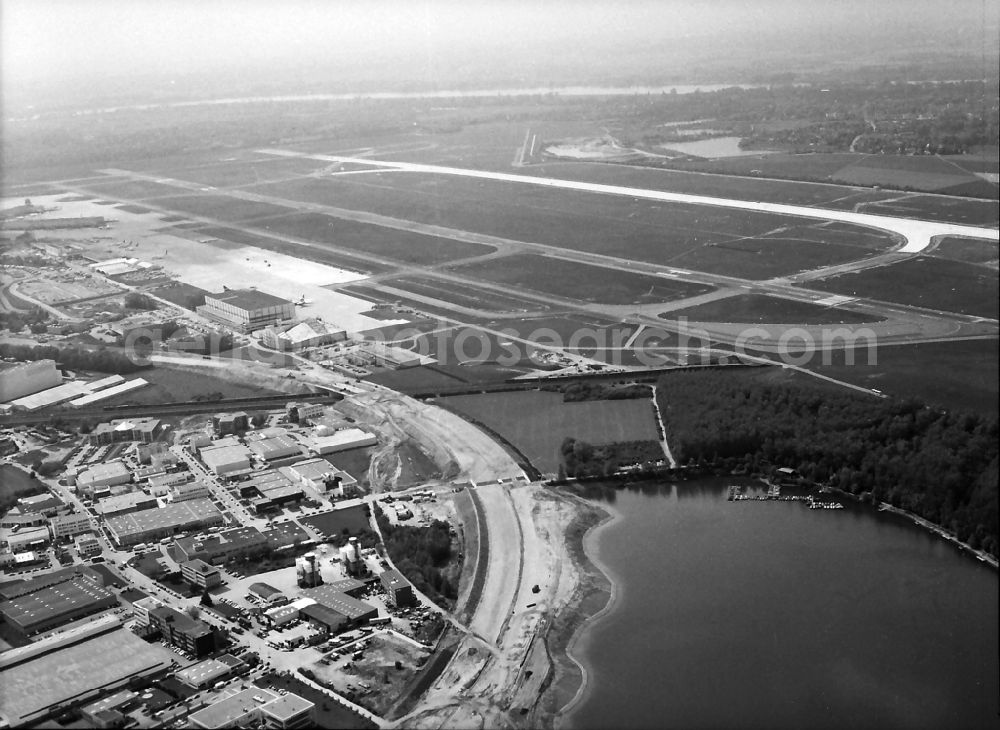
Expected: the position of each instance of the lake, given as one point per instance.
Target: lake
(768, 614)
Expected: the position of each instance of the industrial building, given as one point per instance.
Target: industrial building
(399, 591)
(351, 586)
(26, 538)
(91, 398)
(87, 546)
(191, 490)
(44, 504)
(342, 440)
(208, 672)
(355, 612)
(387, 356)
(108, 474)
(302, 413)
(274, 490)
(247, 310)
(154, 524)
(323, 477)
(226, 459)
(307, 571)
(144, 430)
(55, 605)
(76, 666)
(26, 378)
(324, 618)
(160, 484)
(124, 503)
(281, 615)
(350, 557)
(284, 534)
(222, 546)
(275, 447)
(179, 629)
(142, 607)
(267, 593)
(310, 332)
(201, 574)
(224, 424)
(256, 707)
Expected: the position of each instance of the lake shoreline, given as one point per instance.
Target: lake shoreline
(589, 562)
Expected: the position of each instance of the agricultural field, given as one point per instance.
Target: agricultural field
(754, 308)
(537, 422)
(960, 374)
(924, 281)
(581, 282)
(969, 250)
(592, 223)
(245, 172)
(366, 238)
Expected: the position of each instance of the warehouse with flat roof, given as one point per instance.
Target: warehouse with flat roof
(226, 459)
(155, 524)
(55, 605)
(350, 608)
(221, 546)
(275, 447)
(25, 378)
(125, 503)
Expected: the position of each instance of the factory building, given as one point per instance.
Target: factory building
(208, 672)
(160, 484)
(26, 538)
(108, 474)
(281, 615)
(192, 490)
(226, 459)
(44, 504)
(27, 378)
(267, 594)
(342, 440)
(274, 490)
(56, 604)
(247, 310)
(303, 413)
(124, 503)
(275, 447)
(201, 574)
(181, 630)
(144, 430)
(256, 707)
(154, 524)
(354, 612)
(222, 546)
(399, 591)
(323, 477)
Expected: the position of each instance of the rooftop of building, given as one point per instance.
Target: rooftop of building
(232, 539)
(181, 621)
(389, 577)
(199, 566)
(248, 299)
(263, 590)
(323, 614)
(111, 702)
(224, 454)
(274, 447)
(105, 470)
(228, 711)
(339, 601)
(287, 706)
(203, 672)
(54, 601)
(123, 501)
(21, 587)
(128, 424)
(169, 515)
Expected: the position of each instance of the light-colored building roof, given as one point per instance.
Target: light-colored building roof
(174, 514)
(100, 472)
(225, 456)
(122, 502)
(275, 447)
(287, 706)
(347, 438)
(86, 400)
(248, 299)
(229, 712)
(202, 673)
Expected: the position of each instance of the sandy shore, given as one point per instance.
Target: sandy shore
(595, 597)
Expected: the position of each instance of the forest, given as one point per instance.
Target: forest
(939, 465)
(424, 555)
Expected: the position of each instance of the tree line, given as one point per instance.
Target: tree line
(74, 358)
(424, 555)
(940, 465)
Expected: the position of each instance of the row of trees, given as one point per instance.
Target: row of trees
(74, 358)
(939, 465)
(424, 555)
(580, 459)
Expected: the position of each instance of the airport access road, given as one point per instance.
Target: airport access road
(917, 234)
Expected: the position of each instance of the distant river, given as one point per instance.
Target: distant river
(768, 614)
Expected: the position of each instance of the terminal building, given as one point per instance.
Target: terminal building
(247, 310)
(27, 378)
(155, 524)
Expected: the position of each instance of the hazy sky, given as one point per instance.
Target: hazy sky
(52, 40)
